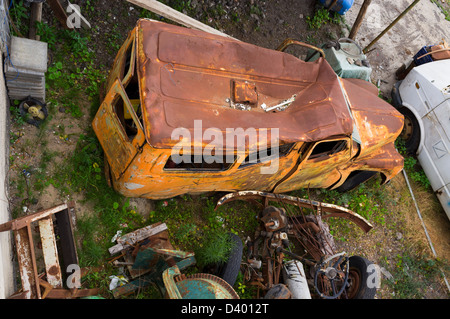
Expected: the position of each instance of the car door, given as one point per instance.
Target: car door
(118, 129)
(318, 165)
(435, 160)
(259, 170)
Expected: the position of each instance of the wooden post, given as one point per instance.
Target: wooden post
(359, 19)
(36, 16)
(59, 12)
(176, 16)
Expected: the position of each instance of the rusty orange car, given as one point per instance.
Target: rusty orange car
(324, 131)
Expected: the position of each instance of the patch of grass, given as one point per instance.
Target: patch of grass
(214, 249)
(20, 17)
(445, 11)
(322, 17)
(83, 173)
(413, 275)
(368, 200)
(412, 167)
(244, 291)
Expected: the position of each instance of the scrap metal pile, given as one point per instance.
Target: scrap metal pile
(329, 274)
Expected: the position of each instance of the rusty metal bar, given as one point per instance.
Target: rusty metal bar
(58, 293)
(26, 269)
(22, 228)
(50, 251)
(289, 42)
(390, 26)
(33, 260)
(327, 210)
(24, 221)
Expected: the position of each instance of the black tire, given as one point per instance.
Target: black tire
(395, 96)
(230, 270)
(359, 278)
(354, 179)
(411, 131)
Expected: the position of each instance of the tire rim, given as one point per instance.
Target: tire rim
(408, 129)
(354, 282)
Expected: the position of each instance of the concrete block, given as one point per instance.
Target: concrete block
(29, 54)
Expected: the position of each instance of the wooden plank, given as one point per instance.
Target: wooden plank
(59, 12)
(176, 16)
(136, 236)
(48, 240)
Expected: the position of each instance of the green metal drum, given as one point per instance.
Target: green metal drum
(205, 286)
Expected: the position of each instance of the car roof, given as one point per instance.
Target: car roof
(187, 75)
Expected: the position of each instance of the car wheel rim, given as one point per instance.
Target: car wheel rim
(354, 281)
(408, 129)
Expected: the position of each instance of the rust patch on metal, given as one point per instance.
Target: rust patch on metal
(326, 210)
(26, 257)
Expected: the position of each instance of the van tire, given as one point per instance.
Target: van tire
(411, 131)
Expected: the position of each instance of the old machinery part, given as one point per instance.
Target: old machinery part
(274, 219)
(289, 42)
(33, 111)
(332, 276)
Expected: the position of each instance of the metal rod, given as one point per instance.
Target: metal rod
(423, 225)
(390, 26)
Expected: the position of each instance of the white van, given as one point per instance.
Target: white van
(423, 97)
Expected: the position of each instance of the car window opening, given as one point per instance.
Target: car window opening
(326, 149)
(132, 91)
(266, 154)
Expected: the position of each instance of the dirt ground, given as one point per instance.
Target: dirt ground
(425, 24)
(267, 24)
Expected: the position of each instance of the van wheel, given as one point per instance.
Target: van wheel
(354, 179)
(411, 131)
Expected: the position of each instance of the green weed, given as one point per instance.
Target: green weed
(320, 18)
(413, 275)
(411, 166)
(444, 11)
(20, 16)
(214, 248)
